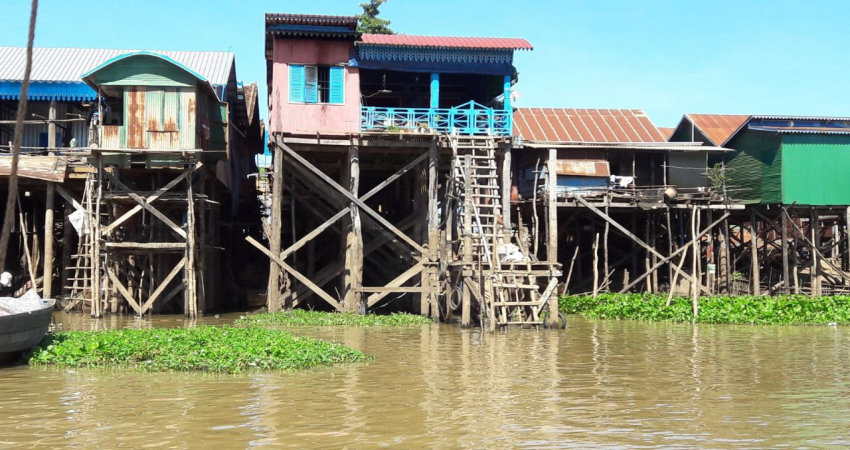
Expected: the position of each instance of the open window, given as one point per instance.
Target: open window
(316, 84)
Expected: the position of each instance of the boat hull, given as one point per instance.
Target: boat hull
(21, 332)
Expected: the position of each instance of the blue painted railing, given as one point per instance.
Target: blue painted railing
(468, 119)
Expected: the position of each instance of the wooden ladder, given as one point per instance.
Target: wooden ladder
(80, 289)
(511, 296)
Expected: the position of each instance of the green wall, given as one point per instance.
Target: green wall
(816, 169)
(755, 168)
(143, 70)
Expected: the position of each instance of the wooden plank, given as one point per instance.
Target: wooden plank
(379, 218)
(297, 275)
(155, 212)
(49, 232)
(552, 226)
(390, 290)
(69, 198)
(398, 281)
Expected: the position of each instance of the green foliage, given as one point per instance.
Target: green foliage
(718, 178)
(780, 310)
(308, 318)
(205, 349)
(368, 22)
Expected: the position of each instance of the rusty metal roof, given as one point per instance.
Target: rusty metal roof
(718, 128)
(311, 20)
(66, 65)
(666, 131)
(47, 168)
(488, 43)
(595, 126)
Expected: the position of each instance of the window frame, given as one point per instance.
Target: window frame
(330, 68)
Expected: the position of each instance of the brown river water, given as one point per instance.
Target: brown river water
(615, 384)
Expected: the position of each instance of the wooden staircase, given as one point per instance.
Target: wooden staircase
(80, 280)
(508, 293)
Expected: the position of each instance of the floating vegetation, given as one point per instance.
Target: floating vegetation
(755, 310)
(205, 349)
(318, 318)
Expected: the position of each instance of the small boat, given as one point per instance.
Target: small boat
(23, 331)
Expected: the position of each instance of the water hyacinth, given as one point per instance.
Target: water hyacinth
(756, 310)
(206, 349)
(318, 318)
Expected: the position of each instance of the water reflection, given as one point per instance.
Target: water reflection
(599, 384)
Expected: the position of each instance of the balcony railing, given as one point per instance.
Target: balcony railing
(468, 119)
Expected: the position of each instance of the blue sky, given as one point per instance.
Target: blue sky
(665, 57)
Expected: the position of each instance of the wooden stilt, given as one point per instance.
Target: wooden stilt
(48, 240)
(273, 292)
(466, 307)
(605, 244)
(695, 258)
(786, 282)
(596, 266)
(814, 227)
(755, 274)
(96, 294)
(353, 278)
(434, 229)
(552, 220)
(190, 279)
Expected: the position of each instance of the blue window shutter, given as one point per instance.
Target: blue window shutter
(296, 83)
(337, 82)
(311, 84)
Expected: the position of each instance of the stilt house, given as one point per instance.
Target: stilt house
(386, 146)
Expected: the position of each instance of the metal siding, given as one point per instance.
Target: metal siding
(153, 109)
(188, 120)
(815, 169)
(755, 169)
(171, 110)
(134, 104)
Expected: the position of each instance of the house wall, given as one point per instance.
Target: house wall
(687, 169)
(815, 169)
(288, 117)
(755, 168)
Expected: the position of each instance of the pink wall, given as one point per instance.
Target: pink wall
(312, 118)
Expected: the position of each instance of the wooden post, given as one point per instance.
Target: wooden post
(466, 309)
(353, 278)
(95, 246)
(754, 254)
(47, 283)
(727, 263)
(814, 226)
(506, 189)
(202, 245)
(67, 249)
(605, 242)
(434, 229)
(646, 259)
(273, 295)
(786, 282)
(696, 253)
(190, 306)
(552, 220)
(669, 243)
(596, 266)
(51, 130)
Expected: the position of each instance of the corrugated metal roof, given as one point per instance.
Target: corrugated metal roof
(666, 131)
(311, 19)
(816, 118)
(585, 126)
(403, 40)
(802, 130)
(718, 128)
(68, 64)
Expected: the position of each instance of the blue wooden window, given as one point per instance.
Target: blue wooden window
(311, 84)
(337, 85)
(296, 83)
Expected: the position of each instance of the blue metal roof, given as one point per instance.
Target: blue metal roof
(40, 90)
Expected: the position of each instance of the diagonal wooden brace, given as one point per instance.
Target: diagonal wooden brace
(363, 207)
(174, 228)
(318, 230)
(636, 239)
(296, 274)
(159, 193)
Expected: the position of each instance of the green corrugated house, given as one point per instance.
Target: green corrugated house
(153, 102)
(779, 159)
